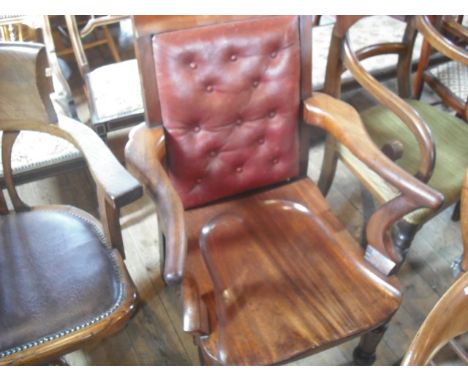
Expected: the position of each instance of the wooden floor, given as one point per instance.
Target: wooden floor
(154, 336)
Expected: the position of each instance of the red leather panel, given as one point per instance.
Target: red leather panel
(230, 99)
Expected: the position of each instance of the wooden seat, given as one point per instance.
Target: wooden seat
(63, 280)
(268, 273)
(293, 270)
(425, 141)
(113, 91)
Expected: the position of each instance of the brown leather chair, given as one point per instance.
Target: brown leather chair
(449, 317)
(268, 273)
(425, 141)
(63, 281)
(113, 91)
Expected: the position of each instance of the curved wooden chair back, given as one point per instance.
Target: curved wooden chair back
(449, 317)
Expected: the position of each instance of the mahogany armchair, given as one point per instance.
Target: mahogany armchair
(449, 317)
(63, 281)
(113, 91)
(422, 139)
(268, 273)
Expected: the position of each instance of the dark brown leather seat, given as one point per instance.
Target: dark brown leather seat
(63, 281)
(57, 269)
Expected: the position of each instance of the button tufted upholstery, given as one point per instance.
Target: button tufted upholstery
(229, 98)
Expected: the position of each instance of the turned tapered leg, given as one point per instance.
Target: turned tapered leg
(364, 353)
(456, 212)
(403, 236)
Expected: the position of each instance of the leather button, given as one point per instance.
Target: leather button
(212, 153)
(196, 129)
(209, 88)
(261, 141)
(271, 114)
(193, 65)
(255, 83)
(233, 57)
(239, 121)
(239, 169)
(275, 161)
(273, 54)
(199, 180)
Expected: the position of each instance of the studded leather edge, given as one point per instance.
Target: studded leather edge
(88, 323)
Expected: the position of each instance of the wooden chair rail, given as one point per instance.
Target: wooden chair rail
(96, 22)
(454, 28)
(343, 122)
(378, 49)
(438, 42)
(410, 117)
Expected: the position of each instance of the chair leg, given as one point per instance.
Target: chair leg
(368, 208)
(456, 212)
(330, 159)
(364, 353)
(403, 236)
(61, 361)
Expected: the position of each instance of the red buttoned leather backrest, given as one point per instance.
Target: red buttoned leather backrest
(229, 96)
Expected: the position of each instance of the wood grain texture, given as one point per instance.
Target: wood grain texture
(304, 280)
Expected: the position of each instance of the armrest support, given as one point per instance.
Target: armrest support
(195, 319)
(115, 186)
(144, 154)
(342, 121)
(119, 186)
(409, 116)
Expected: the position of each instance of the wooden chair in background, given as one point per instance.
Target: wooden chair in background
(63, 281)
(449, 80)
(449, 317)
(268, 273)
(113, 91)
(38, 29)
(424, 140)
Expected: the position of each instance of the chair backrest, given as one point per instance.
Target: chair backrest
(21, 99)
(76, 36)
(24, 98)
(227, 90)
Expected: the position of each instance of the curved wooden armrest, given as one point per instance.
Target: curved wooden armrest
(195, 318)
(447, 320)
(119, 187)
(404, 111)
(343, 122)
(144, 155)
(439, 42)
